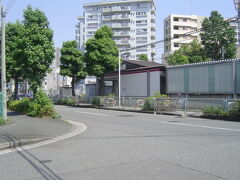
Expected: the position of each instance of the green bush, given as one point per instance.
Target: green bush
(159, 95)
(39, 106)
(2, 121)
(148, 104)
(236, 109)
(215, 111)
(96, 101)
(65, 101)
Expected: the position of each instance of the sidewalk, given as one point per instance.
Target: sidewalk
(22, 130)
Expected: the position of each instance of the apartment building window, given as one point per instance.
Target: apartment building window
(92, 16)
(141, 38)
(184, 20)
(141, 13)
(141, 30)
(176, 36)
(176, 45)
(175, 19)
(176, 27)
(141, 22)
(91, 32)
(92, 24)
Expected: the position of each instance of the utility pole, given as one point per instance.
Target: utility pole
(3, 63)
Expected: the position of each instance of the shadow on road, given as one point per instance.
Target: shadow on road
(37, 164)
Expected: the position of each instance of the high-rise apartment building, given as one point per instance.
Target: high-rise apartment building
(175, 29)
(132, 22)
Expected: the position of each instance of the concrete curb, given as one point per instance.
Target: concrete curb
(77, 128)
(160, 113)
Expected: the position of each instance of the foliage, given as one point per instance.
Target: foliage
(36, 47)
(21, 106)
(72, 64)
(101, 55)
(143, 57)
(235, 111)
(215, 112)
(40, 106)
(218, 33)
(186, 54)
(148, 104)
(159, 95)
(66, 101)
(2, 121)
(14, 63)
(96, 101)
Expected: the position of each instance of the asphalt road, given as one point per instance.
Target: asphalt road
(132, 146)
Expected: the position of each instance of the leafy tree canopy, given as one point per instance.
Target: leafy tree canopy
(143, 57)
(218, 34)
(72, 64)
(191, 53)
(101, 53)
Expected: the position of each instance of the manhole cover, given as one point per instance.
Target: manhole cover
(126, 116)
(45, 161)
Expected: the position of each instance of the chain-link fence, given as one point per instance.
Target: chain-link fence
(168, 104)
(152, 103)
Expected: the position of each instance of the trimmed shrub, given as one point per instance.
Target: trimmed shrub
(96, 101)
(148, 104)
(215, 111)
(159, 95)
(39, 106)
(235, 112)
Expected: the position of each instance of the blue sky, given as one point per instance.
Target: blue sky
(62, 14)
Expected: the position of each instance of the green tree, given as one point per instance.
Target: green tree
(37, 47)
(191, 53)
(14, 61)
(217, 35)
(177, 59)
(72, 64)
(143, 57)
(101, 55)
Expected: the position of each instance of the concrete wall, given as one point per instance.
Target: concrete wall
(206, 78)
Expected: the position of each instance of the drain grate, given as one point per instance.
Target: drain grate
(45, 161)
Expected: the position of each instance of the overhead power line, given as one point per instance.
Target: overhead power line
(185, 34)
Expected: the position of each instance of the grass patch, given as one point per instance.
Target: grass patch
(2, 121)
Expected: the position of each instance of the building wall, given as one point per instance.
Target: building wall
(204, 78)
(177, 25)
(134, 84)
(133, 24)
(154, 82)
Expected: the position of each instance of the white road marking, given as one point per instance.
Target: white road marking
(90, 113)
(199, 126)
(78, 129)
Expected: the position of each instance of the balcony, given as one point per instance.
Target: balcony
(116, 17)
(119, 25)
(122, 42)
(121, 34)
(117, 9)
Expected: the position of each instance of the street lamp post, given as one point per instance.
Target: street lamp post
(119, 78)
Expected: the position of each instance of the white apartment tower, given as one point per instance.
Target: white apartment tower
(132, 22)
(175, 28)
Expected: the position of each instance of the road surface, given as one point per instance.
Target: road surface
(132, 146)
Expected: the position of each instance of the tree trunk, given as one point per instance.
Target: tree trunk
(16, 88)
(73, 88)
(101, 89)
